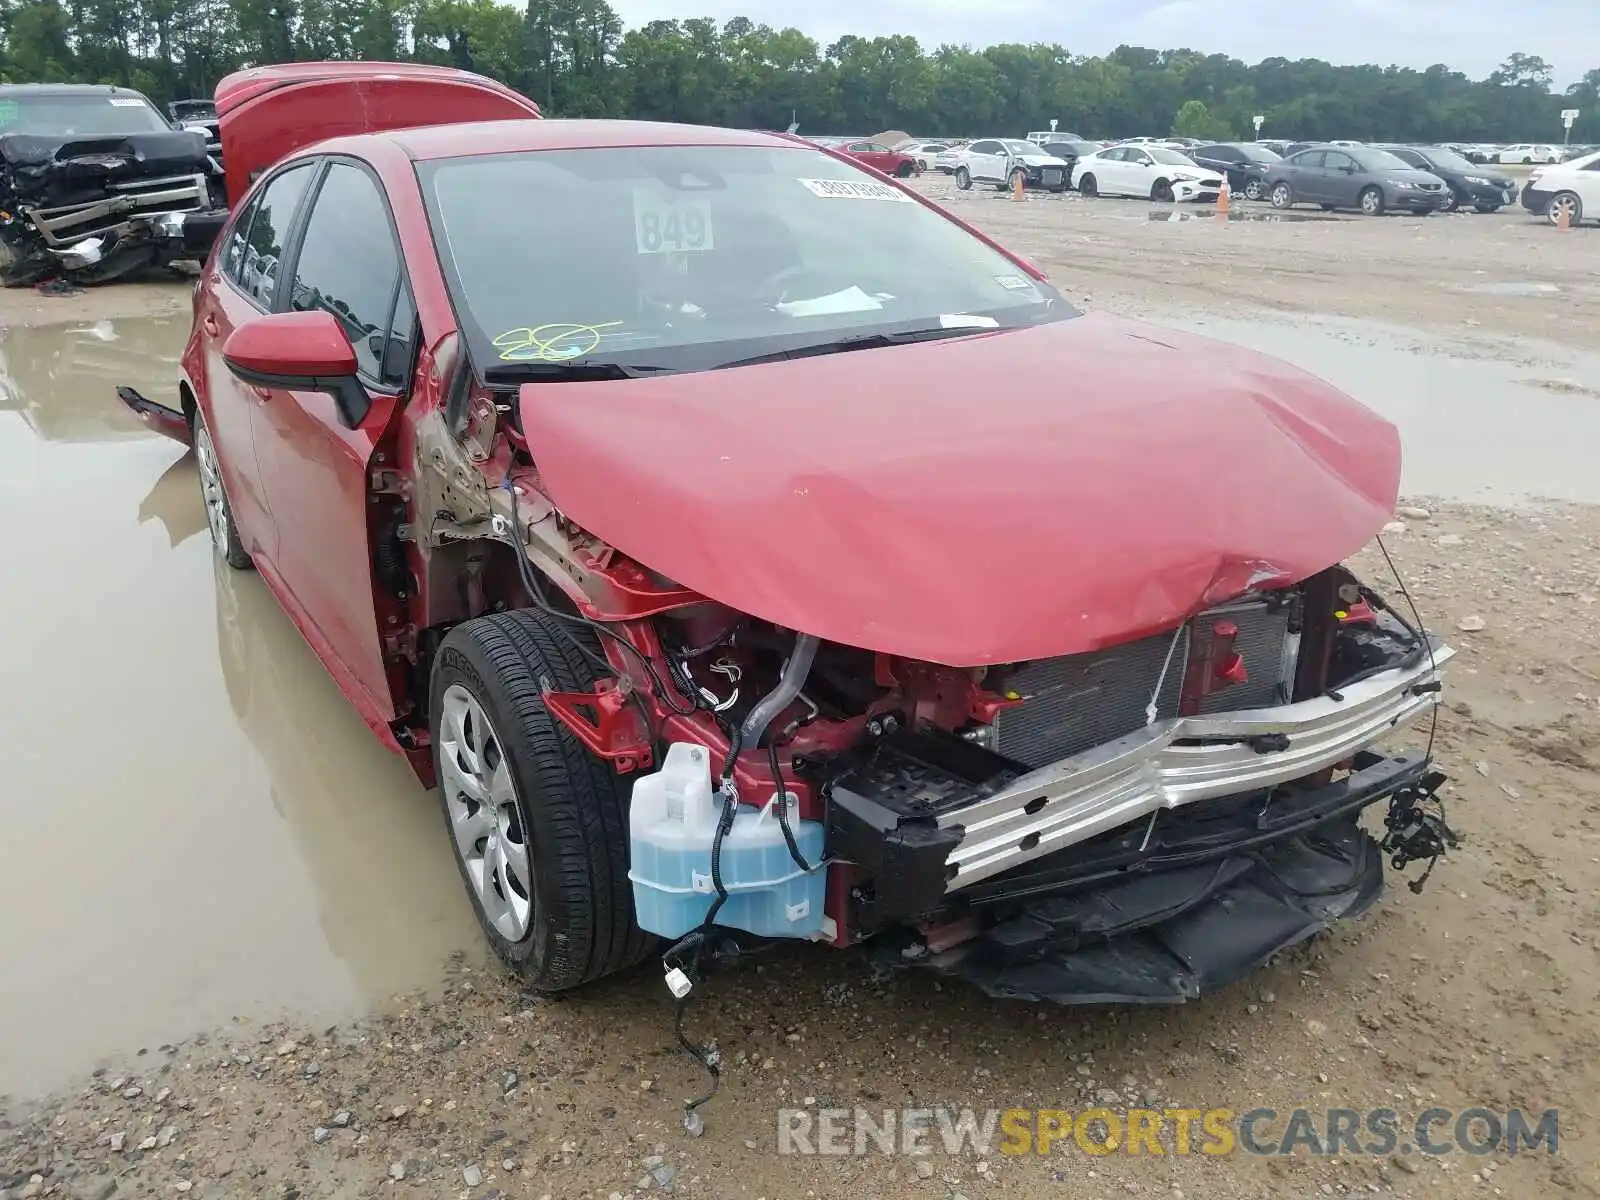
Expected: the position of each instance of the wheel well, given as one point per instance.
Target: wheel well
(187, 400)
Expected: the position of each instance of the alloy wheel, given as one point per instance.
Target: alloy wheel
(1252, 189)
(486, 821)
(1565, 203)
(205, 455)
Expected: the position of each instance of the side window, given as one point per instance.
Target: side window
(349, 265)
(1140, 157)
(1411, 158)
(1335, 161)
(275, 211)
(238, 238)
(1594, 166)
(982, 148)
(1309, 158)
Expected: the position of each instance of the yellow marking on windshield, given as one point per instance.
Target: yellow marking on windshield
(555, 342)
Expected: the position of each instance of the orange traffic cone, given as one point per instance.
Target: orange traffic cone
(1016, 185)
(1224, 196)
(1564, 217)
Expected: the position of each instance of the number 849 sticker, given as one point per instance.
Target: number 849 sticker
(667, 222)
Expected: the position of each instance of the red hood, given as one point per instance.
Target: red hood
(987, 499)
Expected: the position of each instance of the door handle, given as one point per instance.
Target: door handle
(209, 324)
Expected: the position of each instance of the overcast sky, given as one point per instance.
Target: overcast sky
(1470, 35)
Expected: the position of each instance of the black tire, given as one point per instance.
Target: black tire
(1282, 195)
(1161, 191)
(1329, 207)
(224, 529)
(1451, 201)
(572, 806)
(1488, 208)
(1254, 189)
(1012, 179)
(1569, 201)
(1088, 187)
(1059, 188)
(963, 178)
(905, 171)
(1371, 201)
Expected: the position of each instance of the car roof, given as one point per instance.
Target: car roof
(67, 89)
(511, 137)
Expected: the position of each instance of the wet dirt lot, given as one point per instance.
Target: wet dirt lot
(198, 838)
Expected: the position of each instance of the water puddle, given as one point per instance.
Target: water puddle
(1477, 423)
(1237, 214)
(1512, 289)
(195, 824)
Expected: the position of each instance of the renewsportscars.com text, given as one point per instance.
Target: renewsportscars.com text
(1163, 1131)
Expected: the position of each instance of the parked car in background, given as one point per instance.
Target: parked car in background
(1468, 185)
(1529, 152)
(1147, 171)
(924, 153)
(1000, 160)
(1357, 177)
(1071, 152)
(1276, 145)
(199, 115)
(96, 182)
(1043, 137)
(1571, 188)
(946, 161)
(875, 155)
(1244, 163)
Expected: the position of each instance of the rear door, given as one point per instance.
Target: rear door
(1305, 176)
(984, 160)
(240, 285)
(346, 260)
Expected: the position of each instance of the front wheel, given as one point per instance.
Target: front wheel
(539, 825)
(1451, 201)
(219, 513)
(1088, 187)
(1488, 208)
(1282, 196)
(1372, 201)
(963, 178)
(1017, 179)
(1253, 189)
(904, 171)
(1564, 203)
(1161, 192)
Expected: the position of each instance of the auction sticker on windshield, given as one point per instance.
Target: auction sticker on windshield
(669, 223)
(126, 102)
(854, 189)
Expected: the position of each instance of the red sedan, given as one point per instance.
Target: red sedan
(877, 156)
(745, 547)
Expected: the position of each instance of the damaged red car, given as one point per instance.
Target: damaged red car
(712, 522)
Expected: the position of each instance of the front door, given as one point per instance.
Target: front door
(242, 279)
(316, 470)
(1341, 179)
(1309, 180)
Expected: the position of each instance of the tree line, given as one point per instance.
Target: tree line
(575, 58)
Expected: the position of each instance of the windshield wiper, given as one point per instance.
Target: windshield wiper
(860, 341)
(573, 370)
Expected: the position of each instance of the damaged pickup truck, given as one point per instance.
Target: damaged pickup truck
(96, 182)
(710, 520)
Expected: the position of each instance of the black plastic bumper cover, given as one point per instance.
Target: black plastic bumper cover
(1195, 923)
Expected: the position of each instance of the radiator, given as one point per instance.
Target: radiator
(1074, 703)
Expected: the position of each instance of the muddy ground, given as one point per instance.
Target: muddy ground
(335, 895)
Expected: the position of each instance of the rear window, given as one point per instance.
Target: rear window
(97, 115)
(683, 257)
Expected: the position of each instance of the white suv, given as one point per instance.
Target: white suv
(1572, 188)
(1529, 152)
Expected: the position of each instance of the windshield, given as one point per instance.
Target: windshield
(1379, 160)
(1449, 160)
(79, 116)
(1171, 157)
(686, 257)
(1017, 147)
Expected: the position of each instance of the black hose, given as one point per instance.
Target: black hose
(783, 808)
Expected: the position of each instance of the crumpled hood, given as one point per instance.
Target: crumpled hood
(991, 498)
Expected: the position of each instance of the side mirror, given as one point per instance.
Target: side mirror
(299, 351)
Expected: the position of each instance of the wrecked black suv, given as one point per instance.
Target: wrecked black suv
(96, 182)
